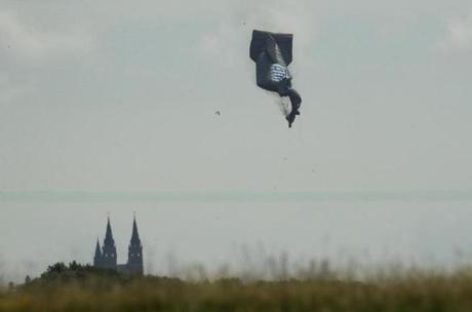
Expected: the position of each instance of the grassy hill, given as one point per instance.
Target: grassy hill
(81, 288)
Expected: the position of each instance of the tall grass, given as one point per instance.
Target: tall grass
(411, 290)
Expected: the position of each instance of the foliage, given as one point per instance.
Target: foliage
(92, 290)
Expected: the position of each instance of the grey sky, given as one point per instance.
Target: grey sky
(119, 97)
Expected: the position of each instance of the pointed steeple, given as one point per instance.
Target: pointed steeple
(135, 235)
(108, 235)
(109, 249)
(135, 252)
(98, 252)
(97, 259)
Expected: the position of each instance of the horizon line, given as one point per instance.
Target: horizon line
(233, 196)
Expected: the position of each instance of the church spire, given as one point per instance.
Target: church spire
(135, 251)
(98, 255)
(109, 249)
(135, 235)
(106, 256)
(108, 235)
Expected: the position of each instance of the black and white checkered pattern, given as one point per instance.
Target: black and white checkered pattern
(278, 73)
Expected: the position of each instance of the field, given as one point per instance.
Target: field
(408, 291)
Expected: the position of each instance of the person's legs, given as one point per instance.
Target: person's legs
(295, 100)
(290, 118)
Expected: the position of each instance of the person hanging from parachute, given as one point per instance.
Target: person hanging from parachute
(272, 53)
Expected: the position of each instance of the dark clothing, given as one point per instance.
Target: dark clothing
(295, 99)
(272, 54)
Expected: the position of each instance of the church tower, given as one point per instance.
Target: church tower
(109, 250)
(97, 260)
(135, 252)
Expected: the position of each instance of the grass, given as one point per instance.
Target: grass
(404, 291)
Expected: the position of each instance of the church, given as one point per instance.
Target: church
(105, 257)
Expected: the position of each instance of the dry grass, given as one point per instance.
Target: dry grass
(411, 291)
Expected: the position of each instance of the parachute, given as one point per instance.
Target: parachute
(272, 54)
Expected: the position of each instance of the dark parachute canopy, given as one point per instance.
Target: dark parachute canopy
(273, 53)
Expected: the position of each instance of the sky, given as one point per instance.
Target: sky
(110, 108)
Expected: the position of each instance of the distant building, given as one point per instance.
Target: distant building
(105, 257)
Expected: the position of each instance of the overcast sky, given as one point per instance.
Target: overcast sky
(113, 98)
